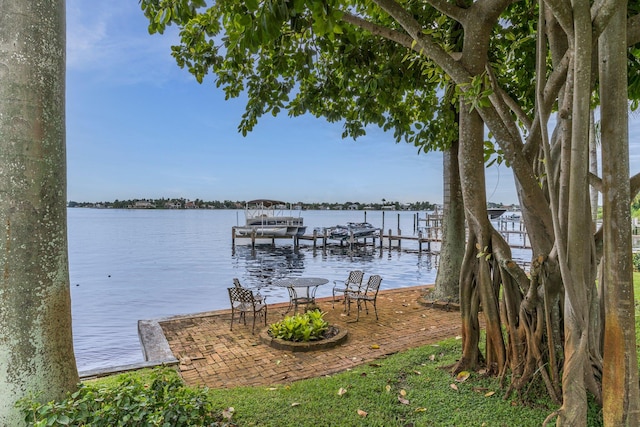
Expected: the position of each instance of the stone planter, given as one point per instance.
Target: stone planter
(322, 344)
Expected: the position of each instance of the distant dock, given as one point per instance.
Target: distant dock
(426, 236)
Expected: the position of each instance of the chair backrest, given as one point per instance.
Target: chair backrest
(373, 284)
(355, 276)
(241, 295)
(236, 282)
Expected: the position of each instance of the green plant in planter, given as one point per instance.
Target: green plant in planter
(307, 326)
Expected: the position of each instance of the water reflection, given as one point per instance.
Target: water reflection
(258, 267)
(264, 263)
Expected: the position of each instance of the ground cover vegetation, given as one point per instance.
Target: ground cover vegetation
(411, 388)
(300, 327)
(438, 74)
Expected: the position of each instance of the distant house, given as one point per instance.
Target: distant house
(352, 207)
(190, 205)
(143, 204)
(172, 205)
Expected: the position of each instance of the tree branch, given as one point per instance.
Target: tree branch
(564, 15)
(378, 30)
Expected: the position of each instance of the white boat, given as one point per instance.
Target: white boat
(512, 216)
(269, 218)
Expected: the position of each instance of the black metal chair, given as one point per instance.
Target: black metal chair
(244, 301)
(367, 293)
(261, 299)
(352, 284)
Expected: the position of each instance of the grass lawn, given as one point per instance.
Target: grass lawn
(412, 388)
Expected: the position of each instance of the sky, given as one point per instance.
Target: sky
(138, 126)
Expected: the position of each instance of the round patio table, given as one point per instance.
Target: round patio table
(302, 290)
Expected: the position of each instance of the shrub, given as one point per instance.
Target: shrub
(163, 400)
(307, 326)
(636, 261)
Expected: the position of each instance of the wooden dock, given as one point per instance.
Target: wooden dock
(427, 234)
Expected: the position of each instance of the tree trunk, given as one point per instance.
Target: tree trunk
(447, 285)
(36, 347)
(575, 254)
(593, 165)
(476, 280)
(621, 396)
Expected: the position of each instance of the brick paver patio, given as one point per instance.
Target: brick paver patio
(212, 355)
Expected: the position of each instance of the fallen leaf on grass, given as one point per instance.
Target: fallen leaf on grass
(420, 410)
(403, 400)
(432, 357)
(417, 372)
(295, 404)
(228, 413)
(462, 376)
(362, 413)
(489, 394)
(403, 393)
(341, 391)
(272, 388)
(455, 387)
(374, 346)
(388, 388)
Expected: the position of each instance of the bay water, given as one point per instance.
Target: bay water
(131, 264)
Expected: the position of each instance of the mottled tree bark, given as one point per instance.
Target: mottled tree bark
(447, 285)
(621, 395)
(36, 347)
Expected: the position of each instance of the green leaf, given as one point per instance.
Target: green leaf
(251, 4)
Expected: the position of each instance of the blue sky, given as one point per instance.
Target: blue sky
(138, 126)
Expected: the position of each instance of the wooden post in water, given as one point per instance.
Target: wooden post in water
(233, 237)
(382, 230)
(253, 238)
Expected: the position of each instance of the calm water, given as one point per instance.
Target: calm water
(127, 265)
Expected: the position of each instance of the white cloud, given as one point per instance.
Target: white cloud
(109, 40)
